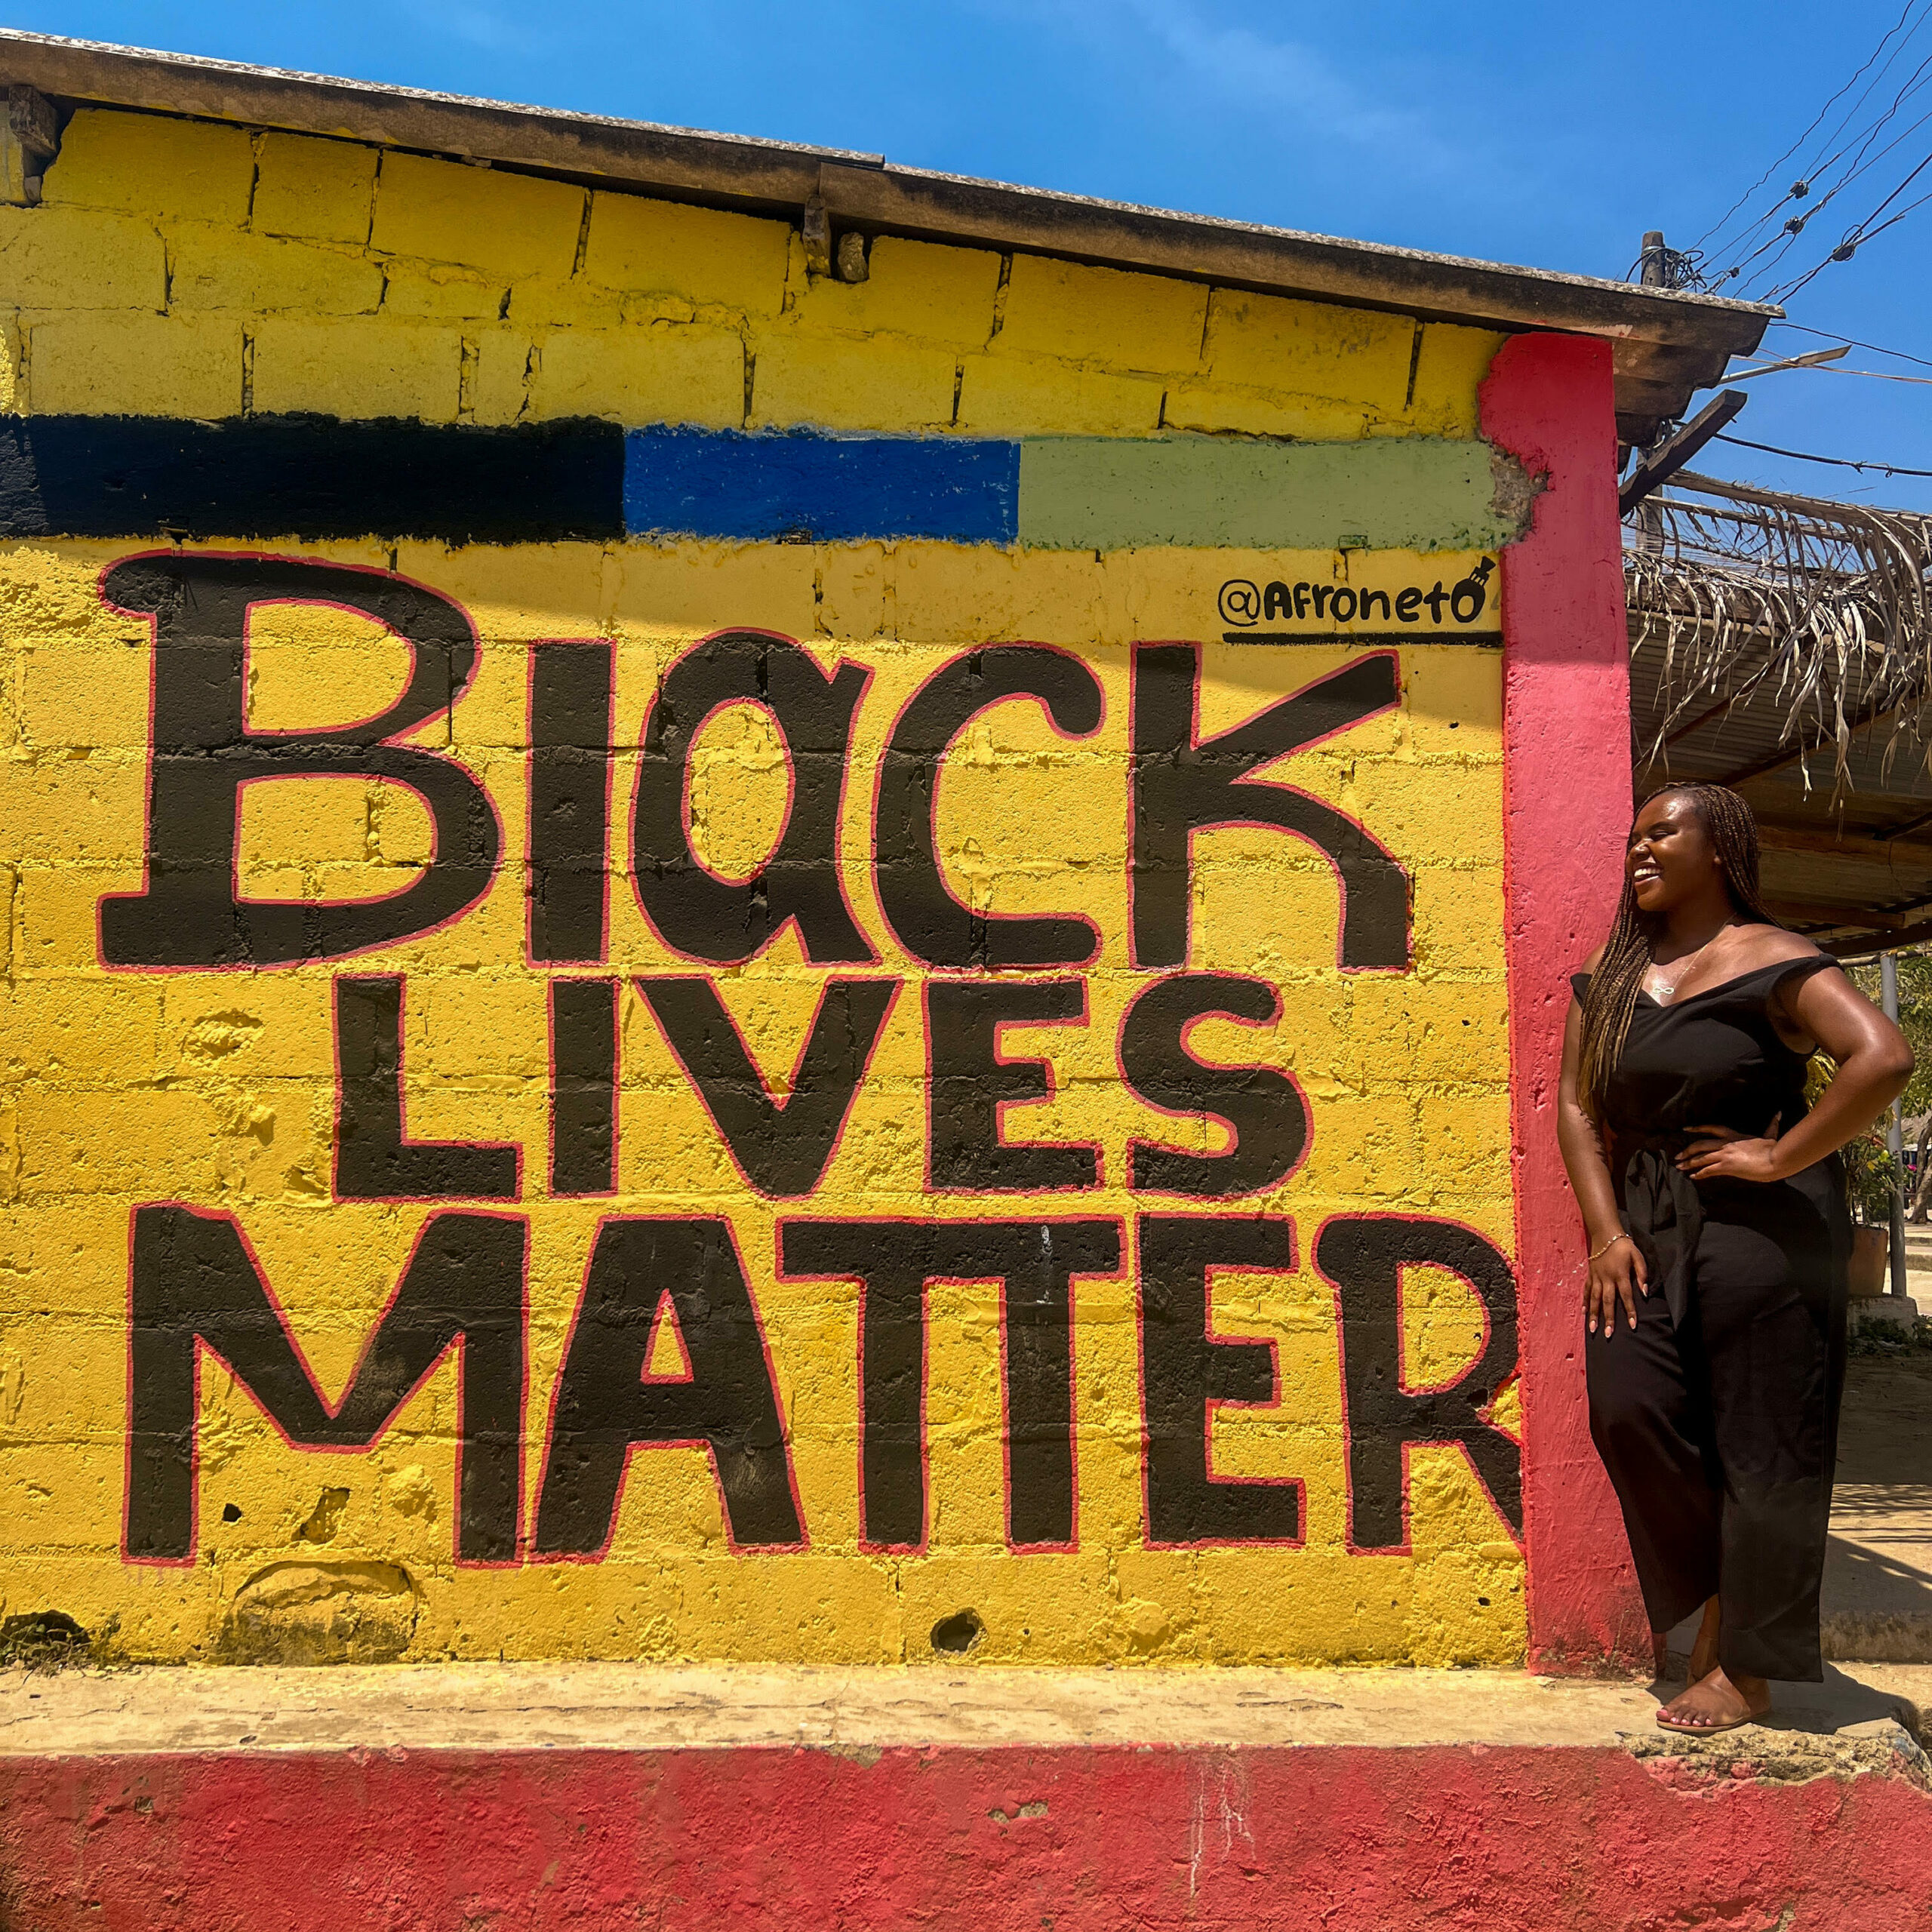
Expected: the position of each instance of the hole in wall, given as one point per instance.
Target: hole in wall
(958, 1633)
(325, 1518)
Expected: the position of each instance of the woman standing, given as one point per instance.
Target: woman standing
(1719, 1234)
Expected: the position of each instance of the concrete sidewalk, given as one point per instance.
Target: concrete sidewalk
(625, 1707)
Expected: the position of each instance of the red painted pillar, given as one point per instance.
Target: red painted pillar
(1566, 749)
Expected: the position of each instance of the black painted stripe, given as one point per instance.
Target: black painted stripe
(1492, 636)
(312, 477)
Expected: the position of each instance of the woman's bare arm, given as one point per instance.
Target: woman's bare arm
(1874, 1061)
(1616, 1269)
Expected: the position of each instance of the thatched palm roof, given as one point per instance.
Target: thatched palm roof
(1783, 644)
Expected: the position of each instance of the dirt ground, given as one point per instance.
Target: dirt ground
(1878, 1595)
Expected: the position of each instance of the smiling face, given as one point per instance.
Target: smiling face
(1672, 859)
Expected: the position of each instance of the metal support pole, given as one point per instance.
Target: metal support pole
(1650, 273)
(1888, 994)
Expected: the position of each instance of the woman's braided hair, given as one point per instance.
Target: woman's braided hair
(1626, 953)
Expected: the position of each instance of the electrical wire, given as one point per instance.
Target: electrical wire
(1881, 376)
(1820, 163)
(1862, 150)
(1831, 335)
(1871, 232)
(1804, 456)
(1724, 220)
(1786, 238)
(1856, 237)
(1823, 369)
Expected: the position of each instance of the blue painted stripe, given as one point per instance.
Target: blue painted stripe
(808, 487)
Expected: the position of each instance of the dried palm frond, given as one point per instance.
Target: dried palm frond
(1820, 609)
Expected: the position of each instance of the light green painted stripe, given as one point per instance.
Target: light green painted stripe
(1080, 493)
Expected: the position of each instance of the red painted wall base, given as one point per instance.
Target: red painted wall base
(1010, 1840)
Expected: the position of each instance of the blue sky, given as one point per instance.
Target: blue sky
(1551, 136)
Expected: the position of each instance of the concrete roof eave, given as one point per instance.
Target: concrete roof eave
(1665, 345)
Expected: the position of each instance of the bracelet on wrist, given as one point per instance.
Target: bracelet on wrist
(1597, 1254)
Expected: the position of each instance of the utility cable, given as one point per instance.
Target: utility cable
(1856, 237)
(1864, 154)
(1724, 221)
(1852, 342)
(1821, 162)
(1785, 239)
(1873, 375)
(1804, 456)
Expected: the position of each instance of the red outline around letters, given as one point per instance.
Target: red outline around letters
(602, 978)
(530, 795)
(398, 742)
(1119, 1271)
(627, 840)
(1220, 1119)
(631, 1448)
(366, 899)
(866, 1544)
(927, 1282)
(204, 1348)
(666, 1310)
(791, 789)
(1405, 1548)
(1229, 824)
(932, 808)
(933, 1190)
(1273, 1344)
(402, 1104)
(897, 982)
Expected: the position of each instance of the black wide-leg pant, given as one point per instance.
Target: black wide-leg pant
(1719, 1424)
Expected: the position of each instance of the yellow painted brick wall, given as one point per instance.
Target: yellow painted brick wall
(181, 269)
(315, 262)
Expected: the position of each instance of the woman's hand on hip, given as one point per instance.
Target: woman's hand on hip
(1617, 1274)
(1720, 1154)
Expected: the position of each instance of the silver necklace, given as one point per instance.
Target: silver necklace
(1666, 990)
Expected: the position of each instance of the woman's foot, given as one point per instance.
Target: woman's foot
(1717, 1702)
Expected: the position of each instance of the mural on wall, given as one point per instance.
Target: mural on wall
(844, 978)
(745, 1042)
